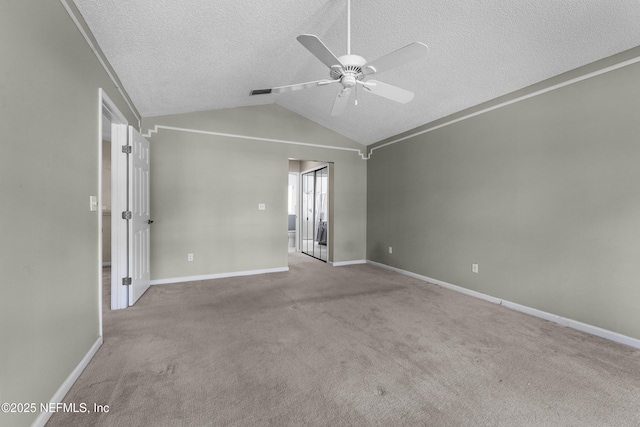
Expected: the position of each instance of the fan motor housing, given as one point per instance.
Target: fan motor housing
(352, 67)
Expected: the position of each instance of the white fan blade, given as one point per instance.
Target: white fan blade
(319, 50)
(299, 86)
(384, 90)
(401, 56)
(291, 88)
(342, 99)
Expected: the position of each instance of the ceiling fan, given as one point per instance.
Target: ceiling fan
(353, 70)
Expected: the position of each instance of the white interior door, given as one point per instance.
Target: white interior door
(139, 225)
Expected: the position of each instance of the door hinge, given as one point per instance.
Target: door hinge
(126, 281)
(126, 215)
(126, 149)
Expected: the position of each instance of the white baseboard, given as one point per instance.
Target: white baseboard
(66, 385)
(438, 282)
(352, 262)
(574, 324)
(217, 276)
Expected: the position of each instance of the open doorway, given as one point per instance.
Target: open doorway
(130, 220)
(311, 207)
(315, 212)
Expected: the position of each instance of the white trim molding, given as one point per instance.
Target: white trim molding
(574, 324)
(103, 61)
(343, 263)
(218, 276)
(156, 128)
(512, 101)
(66, 385)
(438, 282)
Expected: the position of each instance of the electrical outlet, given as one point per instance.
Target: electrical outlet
(390, 250)
(190, 257)
(262, 206)
(474, 268)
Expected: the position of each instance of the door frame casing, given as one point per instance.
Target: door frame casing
(119, 124)
(296, 209)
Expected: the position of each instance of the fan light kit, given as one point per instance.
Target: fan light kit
(353, 70)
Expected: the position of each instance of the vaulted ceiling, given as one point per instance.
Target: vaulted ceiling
(197, 55)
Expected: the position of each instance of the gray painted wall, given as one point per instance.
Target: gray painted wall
(205, 190)
(544, 194)
(49, 150)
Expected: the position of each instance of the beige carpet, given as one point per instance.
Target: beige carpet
(346, 346)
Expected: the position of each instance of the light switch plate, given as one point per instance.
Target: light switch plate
(93, 203)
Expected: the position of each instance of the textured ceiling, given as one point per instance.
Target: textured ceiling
(183, 56)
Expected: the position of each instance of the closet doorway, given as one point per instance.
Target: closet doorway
(314, 216)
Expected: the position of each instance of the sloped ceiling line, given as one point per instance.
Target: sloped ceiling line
(103, 61)
(511, 101)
